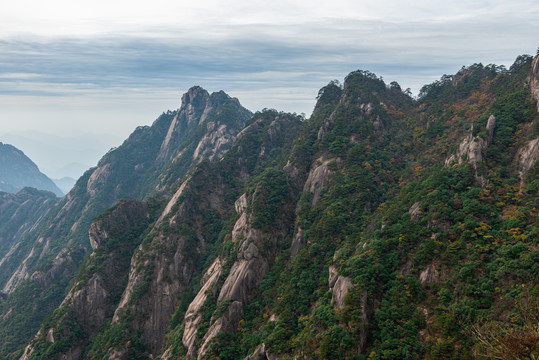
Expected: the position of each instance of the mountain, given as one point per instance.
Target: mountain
(60, 156)
(18, 171)
(65, 184)
(382, 227)
(36, 270)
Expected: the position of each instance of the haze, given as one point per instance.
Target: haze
(74, 68)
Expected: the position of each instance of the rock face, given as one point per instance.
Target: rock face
(527, 157)
(297, 243)
(156, 279)
(415, 211)
(472, 147)
(214, 142)
(98, 178)
(317, 178)
(429, 275)
(534, 80)
(19, 214)
(246, 273)
(198, 108)
(340, 289)
(258, 354)
(193, 317)
(340, 286)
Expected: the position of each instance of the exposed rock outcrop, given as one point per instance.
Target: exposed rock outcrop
(297, 243)
(98, 178)
(193, 317)
(333, 275)
(194, 110)
(415, 211)
(471, 149)
(173, 201)
(317, 178)
(261, 353)
(340, 290)
(153, 287)
(246, 273)
(241, 204)
(429, 275)
(197, 107)
(60, 266)
(340, 286)
(218, 138)
(534, 80)
(527, 157)
(256, 252)
(20, 274)
(227, 322)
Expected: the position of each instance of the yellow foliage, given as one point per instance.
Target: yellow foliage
(482, 229)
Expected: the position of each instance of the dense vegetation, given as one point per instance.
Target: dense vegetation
(408, 298)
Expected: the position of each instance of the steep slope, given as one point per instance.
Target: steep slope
(18, 171)
(170, 257)
(383, 227)
(18, 215)
(97, 289)
(368, 267)
(132, 170)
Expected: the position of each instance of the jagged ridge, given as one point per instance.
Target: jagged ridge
(338, 237)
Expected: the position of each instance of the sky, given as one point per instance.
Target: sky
(105, 67)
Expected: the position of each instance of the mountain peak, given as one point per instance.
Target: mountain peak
(18, 171)
(196, 95)
(197, 107)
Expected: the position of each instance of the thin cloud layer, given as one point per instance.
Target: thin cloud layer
(123, 76)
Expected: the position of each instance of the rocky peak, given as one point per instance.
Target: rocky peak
(193, 101)
(197, 106)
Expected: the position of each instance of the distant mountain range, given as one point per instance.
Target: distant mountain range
(18, 171)
(60, 156)
(65, 184)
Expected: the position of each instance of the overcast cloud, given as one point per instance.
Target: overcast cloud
(108, 66)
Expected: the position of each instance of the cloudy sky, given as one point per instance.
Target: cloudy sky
(106, 66)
